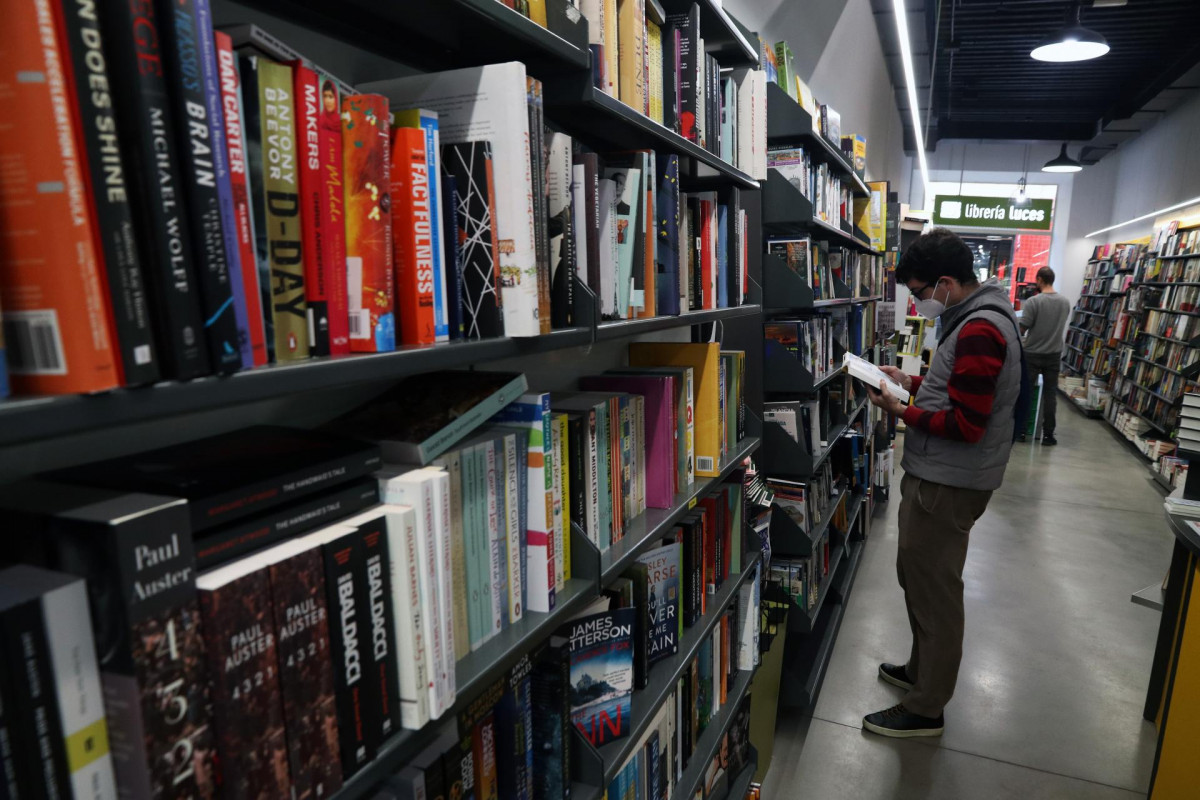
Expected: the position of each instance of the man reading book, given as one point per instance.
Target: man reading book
(959, 431)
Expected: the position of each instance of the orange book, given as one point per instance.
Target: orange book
(365, 155)
(51, 284)
(412, 236)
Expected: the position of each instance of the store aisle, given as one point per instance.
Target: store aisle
(1056, 657)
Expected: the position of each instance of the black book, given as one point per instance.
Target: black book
(670, 88)
(199, 170)
(733, 247)
(471, 165)
(375, 575)
(550, 686)
(11, 752)
(458, 766)
(591, 196)
(452, 257)
(224, 544)
(691, 72)
(349, 641)
(576, 431)
(639, 576)
(696, 284)
(109, 195)
(227, 477)
(537, 165)
(560, 228)
(132, 36)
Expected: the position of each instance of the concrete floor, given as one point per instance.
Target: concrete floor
(1056, 657)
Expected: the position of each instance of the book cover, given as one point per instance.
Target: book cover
(133, 36)
(703, 359)
(601, 674)
(366, 175)
(306, 91)
(281, 193)
(691, 55)
(477, 729)
(412, 236)
(561, 228)
(427, 122)
(514, 732)
(459, 770)
(667, 235)
(490, 104)
(243, 666)
(88, 83)
(589, 222)
(471, 166)
(535, 108)
(609, 255)
(332, 204)
(629, 224)
(662, 566)
(45, 630)
(236, 474)
(423, 416)
(185, 80)
(550, 683)
(301, 625)
(220, 545)
(51, 275)
(376, 576)
(631, 32)
(654, 72)
(593, 11)
(660, 436)
(136, 553)
(241, 190)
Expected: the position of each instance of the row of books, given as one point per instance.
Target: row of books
(1171, 241)
(803, 578)
(1153, 377)
(861, 328)
(1172, 355)
(1133, 396)
(1176, 269)
(831, 198)
(807, 503)
(1178, 298)
(656, 63)
(863, 273)
(1181, 327)
(809, 340)
(819, 264)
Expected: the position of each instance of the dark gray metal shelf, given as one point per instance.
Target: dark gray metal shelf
(789, 123)
(710, 741)
(787, 212)
(806, 621)
(635, 327)
(723, 38)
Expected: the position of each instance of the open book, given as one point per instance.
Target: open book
(871, 375)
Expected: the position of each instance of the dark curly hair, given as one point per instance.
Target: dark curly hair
(940, 252)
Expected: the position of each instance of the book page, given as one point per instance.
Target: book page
(871, 375)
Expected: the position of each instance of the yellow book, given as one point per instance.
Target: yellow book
(654, 55)
(537, 11)
(631, 44)
(704, 359)
(612, 58)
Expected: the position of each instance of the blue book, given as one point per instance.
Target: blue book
(667, 230)
(514, 734)
(722, 256)
(602, 673)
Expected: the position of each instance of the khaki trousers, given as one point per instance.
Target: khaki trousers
(935, 523)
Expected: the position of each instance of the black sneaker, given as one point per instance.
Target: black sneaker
(1048, 440)
(1021, 438)
(896, 675)
(900, 723)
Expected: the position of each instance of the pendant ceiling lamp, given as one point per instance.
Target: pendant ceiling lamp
(1072, 43)
(1062, 162)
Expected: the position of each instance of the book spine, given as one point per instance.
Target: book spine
(561, 500)
(411, 644)
(412, 236)
(455, 545)
(631, 24)
(347, 633)
(307, 93)
(332, 205)
(475, 578)
(427, 122)
(240, 191)
(199, 173)
(281, 192)
(108, 194)
(366, 177)
(442, 515)
(25, 641)
(515, 562)
(12, 756)
(541, 239)
(132, 34)
(690, 54)
(424, 504)
(452, 253)
(377, 578)
(306, 673)
(493, 475)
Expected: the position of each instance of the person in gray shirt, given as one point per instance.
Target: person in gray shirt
(1043, 318)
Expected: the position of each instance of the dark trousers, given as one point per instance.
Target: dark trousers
(935, 523)
(1046, 365)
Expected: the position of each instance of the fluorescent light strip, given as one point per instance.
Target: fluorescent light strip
(1151, 215)
(911, 81)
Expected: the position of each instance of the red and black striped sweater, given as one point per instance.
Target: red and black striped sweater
(978, 358)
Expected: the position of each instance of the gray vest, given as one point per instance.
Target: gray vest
(962, 464)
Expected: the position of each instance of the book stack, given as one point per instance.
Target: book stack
(656, 63)
(807, 503)
(1189, 423)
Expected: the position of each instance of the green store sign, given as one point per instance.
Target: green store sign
(963, 211)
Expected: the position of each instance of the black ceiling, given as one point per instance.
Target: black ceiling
(986, 85)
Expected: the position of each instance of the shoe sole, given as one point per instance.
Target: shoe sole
(895, 681)
(899, 734)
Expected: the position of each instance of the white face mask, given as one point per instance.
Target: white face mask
(932, 308)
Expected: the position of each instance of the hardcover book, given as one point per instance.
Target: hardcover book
(58, 332)
(412, 236)
(301, 626)
(439, 229)
(660, 435)
(314, 220)
(234, 475)
(107, 191)
(281, 197)
(470, 164)
(132, 37)
(550, 686)
(135, 550)
(703, 359)
(666, 284)
(514, 732)
(59, 706)
(199, 172)
(375, 575)
(332, 204)
(243, 666)
(629, 226)
(561, 230)
(366, 174)
(691, 55)
(665, 617)
(601, 674)
(452, 254)
(423, 416)
(241, 190)
(477, 729)
(491, 99)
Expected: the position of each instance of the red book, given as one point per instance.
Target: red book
(307, 92)
(709, 504)
(333, 212)
(708, 264)
(235, 142)
(412, 236)
(367, 179)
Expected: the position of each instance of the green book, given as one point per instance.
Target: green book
(281, 190)
(785, 69)
(471, 540)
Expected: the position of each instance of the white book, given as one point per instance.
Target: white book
(560, 521)
(405, 486)
(744, 120)
(443, 537)
(511, 519)
(608, 246)
(489, 103)
(870, 375)
(759, 146)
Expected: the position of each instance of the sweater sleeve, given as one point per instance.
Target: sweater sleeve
(978, 359)
(916, 384)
